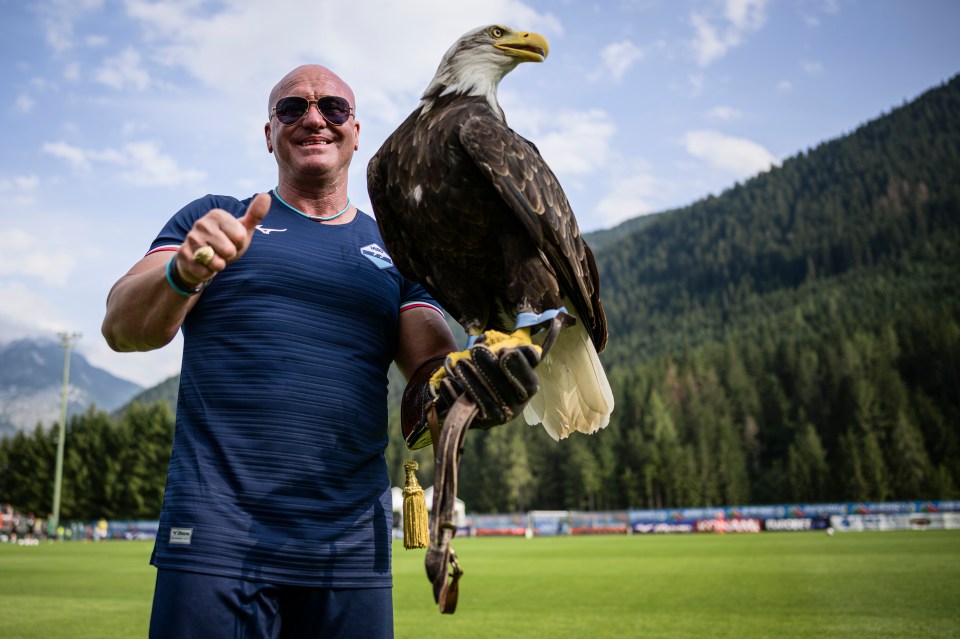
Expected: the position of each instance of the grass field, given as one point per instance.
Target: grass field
(791, 585)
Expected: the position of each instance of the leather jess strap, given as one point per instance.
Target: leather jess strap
(443, 567)
(441, 561)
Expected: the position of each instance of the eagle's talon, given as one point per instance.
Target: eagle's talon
(496, 341)
(437, 378)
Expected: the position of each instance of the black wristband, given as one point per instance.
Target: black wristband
(176, 282)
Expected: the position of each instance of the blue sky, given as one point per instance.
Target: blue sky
(115, 113)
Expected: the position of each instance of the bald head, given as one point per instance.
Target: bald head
(314, 75)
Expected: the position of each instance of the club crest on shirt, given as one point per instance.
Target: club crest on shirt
(377, 255)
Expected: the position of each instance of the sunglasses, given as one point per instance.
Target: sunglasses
(334, 109)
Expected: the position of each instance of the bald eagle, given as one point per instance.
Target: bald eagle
(470, 210)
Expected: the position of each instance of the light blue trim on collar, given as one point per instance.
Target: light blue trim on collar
(276, 192)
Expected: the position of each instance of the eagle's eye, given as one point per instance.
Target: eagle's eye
(496, 32)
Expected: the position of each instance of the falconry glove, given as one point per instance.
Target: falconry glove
(500, 381)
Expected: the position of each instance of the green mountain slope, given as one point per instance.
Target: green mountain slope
(883, 195)
(797, 338)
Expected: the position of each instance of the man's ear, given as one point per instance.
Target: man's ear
(266, 133)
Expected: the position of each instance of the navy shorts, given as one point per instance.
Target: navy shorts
(187, 604)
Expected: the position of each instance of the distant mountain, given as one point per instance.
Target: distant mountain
(166, 392)
(600, 239)
(31, 380)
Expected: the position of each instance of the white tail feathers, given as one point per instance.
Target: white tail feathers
(574, 392)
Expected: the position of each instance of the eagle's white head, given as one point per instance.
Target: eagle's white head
(477, 62)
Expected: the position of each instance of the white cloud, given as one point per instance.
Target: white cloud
(26, 182)
(746, 15)
(19, 183)
(147, 368)
(25, 312)
(71, 72)
(123, 71)
(19, 190)
(580, 143)
(618, 57)
(715, 33)
(24, 103)
(129, 127)
(143, 163)
(724, 113)
(630, 194)
(204, 42)
(696, 81)
(708, 44)
(811, 8)
(573, 143)
(811, 67)
(26, 255)
(737, 157)
(74, 155)
(59, 17)
(150, 167)
(784, 86)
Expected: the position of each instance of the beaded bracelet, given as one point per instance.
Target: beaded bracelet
(177, 283)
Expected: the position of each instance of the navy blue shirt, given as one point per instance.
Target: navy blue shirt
(277, 471)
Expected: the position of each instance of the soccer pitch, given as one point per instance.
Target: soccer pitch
(889, 584)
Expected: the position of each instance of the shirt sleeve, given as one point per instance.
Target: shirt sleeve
(413, 295)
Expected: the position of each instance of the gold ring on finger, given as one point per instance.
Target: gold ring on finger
(204, 255)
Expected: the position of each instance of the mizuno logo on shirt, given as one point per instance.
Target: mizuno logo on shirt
(377, 255)
(181, 536)
(260, 228)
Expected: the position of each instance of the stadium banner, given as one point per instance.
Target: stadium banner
(891, 508)
(729, 526)
(133, 529)
(498, 525)
(785, 511)
(850, 516)
(599, 523)
(793, 524)
(681, 514)
(882, 522)
(663, 527)
(548, 523)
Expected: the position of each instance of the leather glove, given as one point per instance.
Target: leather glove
(499, 382)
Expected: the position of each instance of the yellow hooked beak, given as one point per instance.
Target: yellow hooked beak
(526, 45)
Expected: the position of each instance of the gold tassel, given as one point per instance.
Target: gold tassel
(416, 533)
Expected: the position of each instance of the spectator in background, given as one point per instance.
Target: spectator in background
(101, 531)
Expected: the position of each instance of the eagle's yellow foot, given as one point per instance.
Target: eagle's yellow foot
(441, 372)
(498, 341)
(494, 340)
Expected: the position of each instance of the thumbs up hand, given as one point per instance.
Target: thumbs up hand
(217, 240)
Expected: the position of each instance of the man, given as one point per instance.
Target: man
(277, 511)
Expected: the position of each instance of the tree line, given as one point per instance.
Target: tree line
(113, 466)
